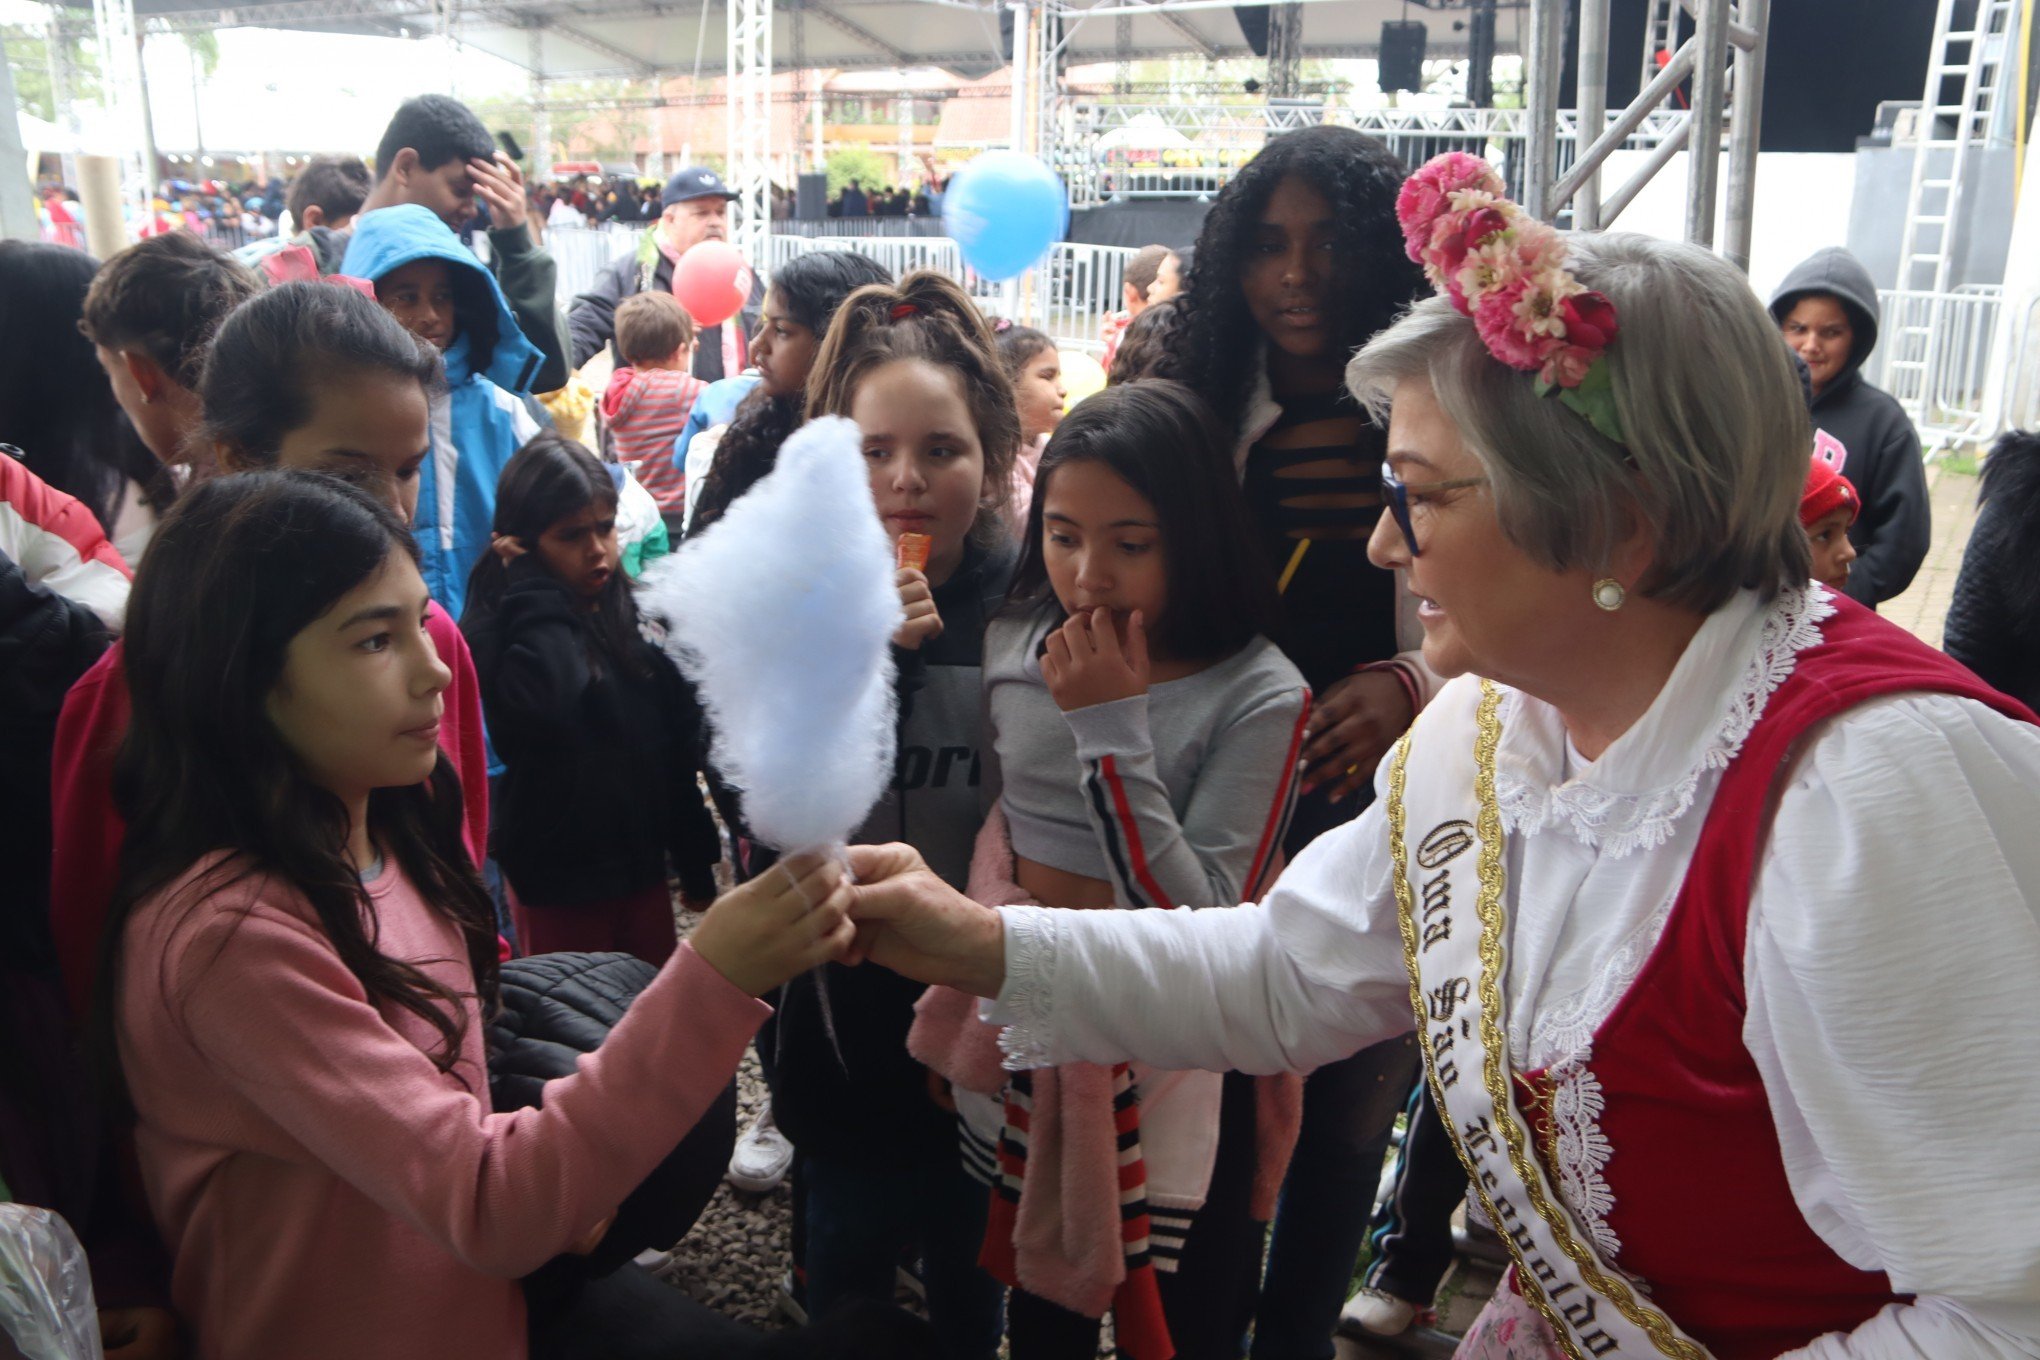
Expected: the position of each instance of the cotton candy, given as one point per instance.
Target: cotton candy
(781, 614)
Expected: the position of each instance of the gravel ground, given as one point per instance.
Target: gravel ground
(740, 1248)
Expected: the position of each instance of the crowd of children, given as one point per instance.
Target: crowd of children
(1144, 660)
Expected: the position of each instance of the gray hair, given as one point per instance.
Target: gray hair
(1718, 440)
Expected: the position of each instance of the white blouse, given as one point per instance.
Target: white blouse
(1908, 828)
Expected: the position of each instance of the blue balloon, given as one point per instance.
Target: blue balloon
(1004, 210)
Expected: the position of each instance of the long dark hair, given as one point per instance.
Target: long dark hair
(548, 479)
(239, 567)
(930, 318)
(1158, 438)
(271, 353)
(56, 405)
(1215, 336)
(811, 287)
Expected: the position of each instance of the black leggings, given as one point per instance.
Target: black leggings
(629, 1314)
(1209, 1298)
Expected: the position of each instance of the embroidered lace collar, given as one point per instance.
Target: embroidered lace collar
(1646, 780)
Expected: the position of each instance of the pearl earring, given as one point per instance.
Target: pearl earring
(1609, 594)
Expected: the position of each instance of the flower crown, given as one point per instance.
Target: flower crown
(1506, 270)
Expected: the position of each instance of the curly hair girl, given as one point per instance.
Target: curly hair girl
(1216, 330)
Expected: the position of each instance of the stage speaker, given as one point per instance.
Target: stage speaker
(1253, 21)
(811, 197)
(1402, 55)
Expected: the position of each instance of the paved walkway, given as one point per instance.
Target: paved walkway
(1924, 605)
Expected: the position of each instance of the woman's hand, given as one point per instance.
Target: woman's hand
(1085, 663)
(508, 547)
(1351, 729)
(787, 920)
(139, 1334)
(912, 922)
(917, 597)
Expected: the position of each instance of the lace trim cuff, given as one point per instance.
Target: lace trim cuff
(1620, 824)
(1032, 940)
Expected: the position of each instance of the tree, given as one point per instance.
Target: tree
(28, 59)
(860, 163)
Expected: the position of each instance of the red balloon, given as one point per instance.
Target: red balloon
(712, 282)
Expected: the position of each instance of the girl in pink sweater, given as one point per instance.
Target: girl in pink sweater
(306, 955)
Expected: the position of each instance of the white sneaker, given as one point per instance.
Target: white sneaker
(1374, 1313)
(762, 1156)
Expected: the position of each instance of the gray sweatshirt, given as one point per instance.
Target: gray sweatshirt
(1177, 797)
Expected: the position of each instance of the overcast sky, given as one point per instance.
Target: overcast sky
(277, 91)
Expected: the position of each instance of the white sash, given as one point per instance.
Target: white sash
(1449, 886)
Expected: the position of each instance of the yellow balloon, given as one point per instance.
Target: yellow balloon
(1082, 375)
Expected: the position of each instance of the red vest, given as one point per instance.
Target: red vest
(1702, 1206)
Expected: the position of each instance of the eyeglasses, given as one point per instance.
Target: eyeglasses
(1398, 493)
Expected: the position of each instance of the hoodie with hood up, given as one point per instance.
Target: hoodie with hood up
(1866, 435)
(480, 421)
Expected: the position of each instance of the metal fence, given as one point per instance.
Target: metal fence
(1935, 356)
(580, 254)
(857, 226)
(1973, 373)
(1068, 295)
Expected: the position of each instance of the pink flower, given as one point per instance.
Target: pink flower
(1539, 311)
(1426, 195)
(1417, 208)
(1457, 170)
(1567, 366)
(1589, 322)
(1494, 267)
(1483, 223)
(1494, 315)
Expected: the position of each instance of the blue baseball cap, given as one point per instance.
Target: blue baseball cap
(696, 181)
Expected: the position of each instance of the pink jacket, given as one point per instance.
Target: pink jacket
(325, 1192)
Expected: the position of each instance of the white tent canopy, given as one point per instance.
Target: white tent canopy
(582, 38)
(1142, 132)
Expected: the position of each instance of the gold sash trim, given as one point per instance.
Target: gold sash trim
(1664, 1334)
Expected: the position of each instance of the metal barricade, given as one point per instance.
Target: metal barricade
(1078, 287)
(1075, 288)
(857, 226)
(1948, 391)
(580, 254)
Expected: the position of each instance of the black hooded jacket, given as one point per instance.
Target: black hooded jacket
(1994, 621)
(1879, 450)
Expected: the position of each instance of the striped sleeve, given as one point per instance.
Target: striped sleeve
(58, 544)
(1223, 846)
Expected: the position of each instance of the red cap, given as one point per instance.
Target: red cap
(1826, 491)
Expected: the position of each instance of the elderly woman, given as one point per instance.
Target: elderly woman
(1709, 895)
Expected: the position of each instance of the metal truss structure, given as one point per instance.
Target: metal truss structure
(1728, 44)
(749, 67)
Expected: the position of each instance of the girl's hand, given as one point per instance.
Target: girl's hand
(139, 1334)
(764, 932)
(1085, 662)
(912, 922)
(1351, 729)
(507, 546)
(593, 1238)
(917, 597)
